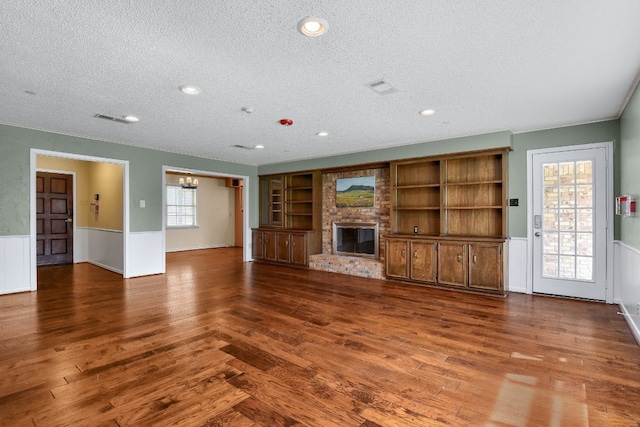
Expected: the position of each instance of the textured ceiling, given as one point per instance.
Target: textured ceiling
(484, 66)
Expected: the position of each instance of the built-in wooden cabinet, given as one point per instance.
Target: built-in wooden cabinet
(409, 259)
(448, 215)
(290, 218)
(285, 247)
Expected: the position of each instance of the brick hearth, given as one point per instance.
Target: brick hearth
(351, 265)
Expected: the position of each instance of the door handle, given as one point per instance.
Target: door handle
(68, 220)
(537, 234)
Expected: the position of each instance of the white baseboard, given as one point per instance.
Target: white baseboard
(632, 321)
(106, 267)
(214, 246)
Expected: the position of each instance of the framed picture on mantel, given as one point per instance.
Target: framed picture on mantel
(355, 192)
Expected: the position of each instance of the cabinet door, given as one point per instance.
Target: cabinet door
(299, 248)
(452, 264)
(396, 253)
(257, 250)
(423, 261)
(269, 238)
(283, 247)
(485, 266)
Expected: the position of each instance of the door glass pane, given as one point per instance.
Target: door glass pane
(567, 231)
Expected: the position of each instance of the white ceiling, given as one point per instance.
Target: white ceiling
(484, 66)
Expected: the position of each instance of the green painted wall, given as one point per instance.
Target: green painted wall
(570, 135)
(145, 175)
(146, 167)
(434, 148)
(630, 166)
(520, 143)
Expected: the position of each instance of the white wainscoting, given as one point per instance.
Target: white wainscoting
(627, 284)
(145, 254)
(15, 271)
(518, 264)
(81, 244)
(105, 249)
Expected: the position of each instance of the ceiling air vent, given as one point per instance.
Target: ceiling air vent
(381, 87)
(113, 119)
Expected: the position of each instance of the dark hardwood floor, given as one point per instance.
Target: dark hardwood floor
(218, 342)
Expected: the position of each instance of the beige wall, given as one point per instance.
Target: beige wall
(91, 178)
(105, 179)
(216, 217)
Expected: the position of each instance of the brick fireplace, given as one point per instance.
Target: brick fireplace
(378, 214)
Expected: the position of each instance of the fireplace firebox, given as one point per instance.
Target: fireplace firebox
(355, 239)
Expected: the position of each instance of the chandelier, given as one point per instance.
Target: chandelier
(188, 182)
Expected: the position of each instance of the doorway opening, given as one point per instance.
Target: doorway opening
(216, 212)
(95, 215)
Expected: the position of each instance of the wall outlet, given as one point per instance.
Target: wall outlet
(415, 229)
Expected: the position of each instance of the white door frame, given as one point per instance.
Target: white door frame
(34, 152)
(246, 231)
(608, 146)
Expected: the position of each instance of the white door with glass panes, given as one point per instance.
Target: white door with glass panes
(569, 223)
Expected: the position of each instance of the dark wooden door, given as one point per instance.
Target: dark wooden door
(54, 216)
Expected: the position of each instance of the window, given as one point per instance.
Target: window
(181, 206)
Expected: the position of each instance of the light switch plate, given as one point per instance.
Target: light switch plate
(143, 203)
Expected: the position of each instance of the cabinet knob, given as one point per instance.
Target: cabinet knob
(402, 253)
(475, 258)
(286, 243)
(415, 254)
(293, 243)
(459, 258)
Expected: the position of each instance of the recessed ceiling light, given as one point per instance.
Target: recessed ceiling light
(323, 133)
(190, 90)
(427, 112)
(312, 27)
(131, 119)
(259, 146)
(247, 110)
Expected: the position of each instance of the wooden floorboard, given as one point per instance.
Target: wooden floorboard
(219, 342)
